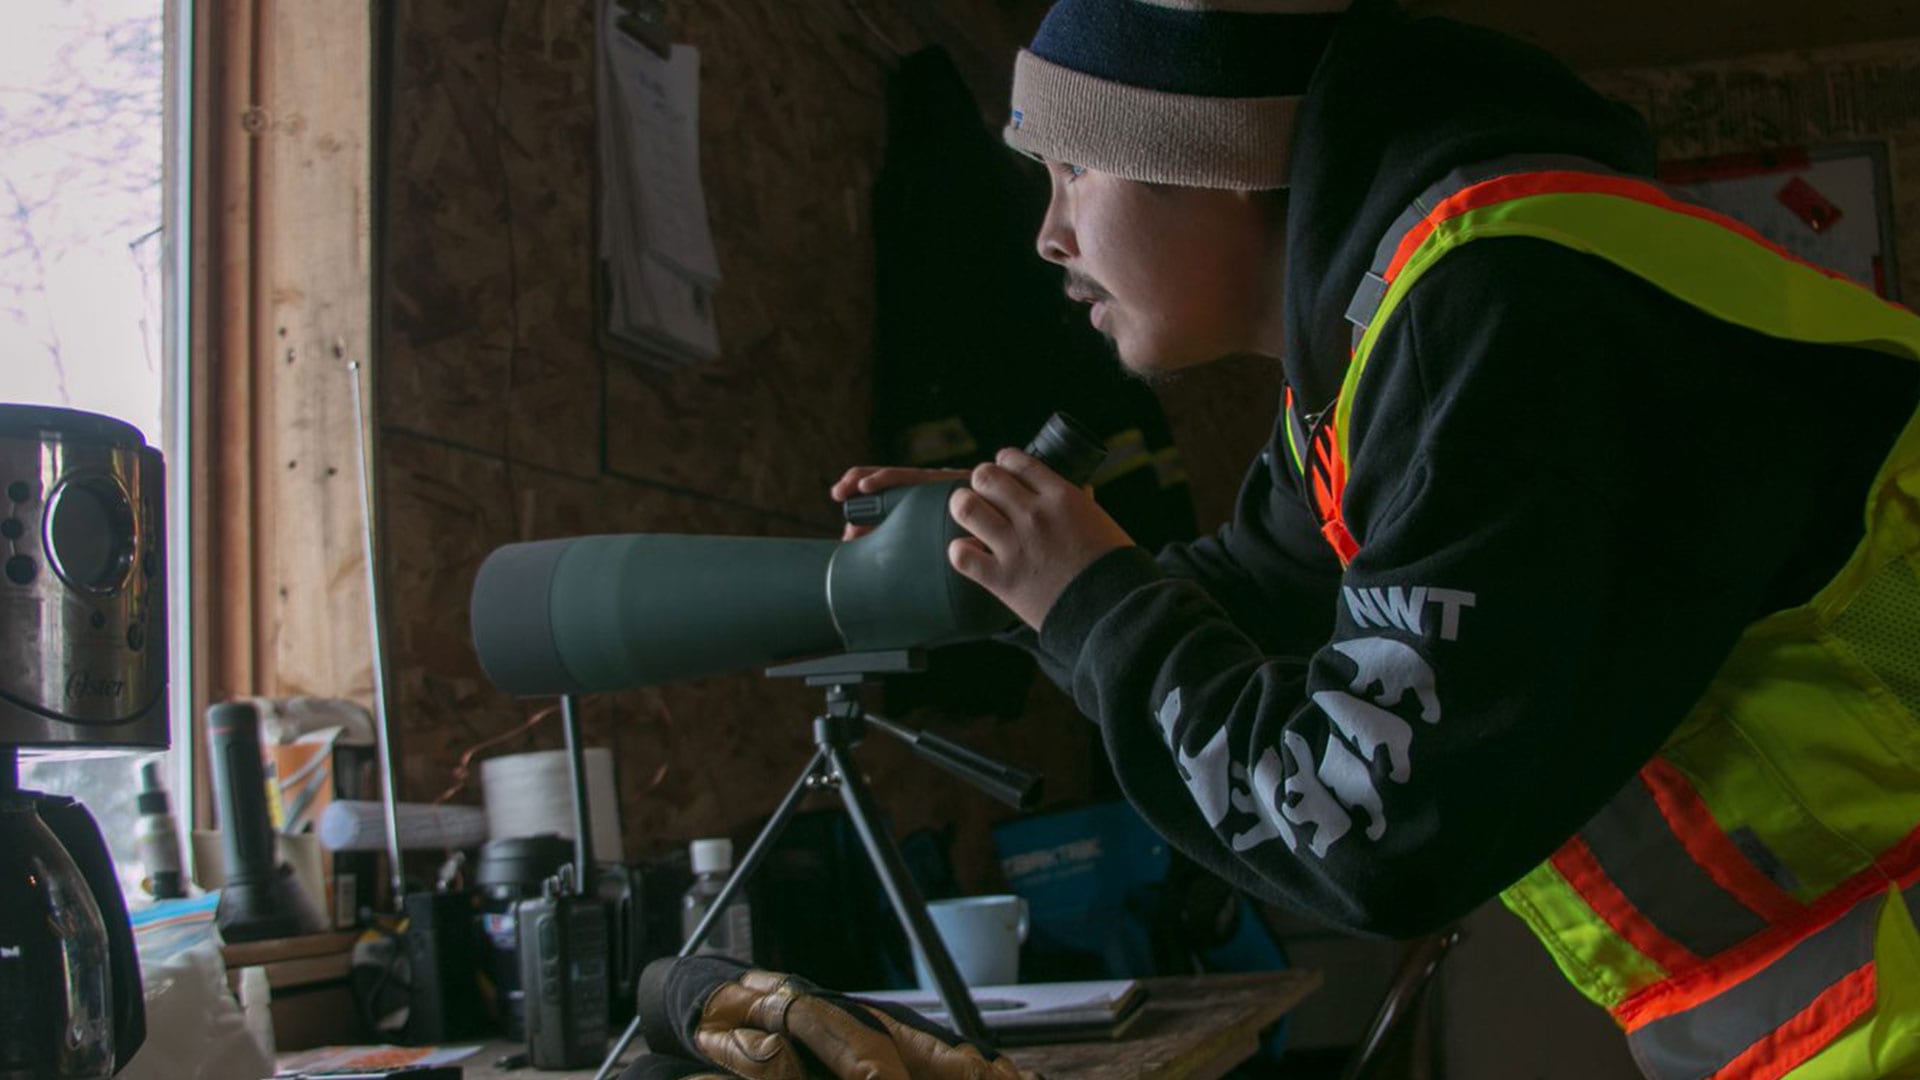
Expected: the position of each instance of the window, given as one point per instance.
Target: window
(92, 281)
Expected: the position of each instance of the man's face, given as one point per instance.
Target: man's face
(1176, 276)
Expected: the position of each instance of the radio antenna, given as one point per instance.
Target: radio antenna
(388, 796)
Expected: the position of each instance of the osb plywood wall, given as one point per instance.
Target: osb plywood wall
(500, 422)
(1848, 94)
(1612, 34)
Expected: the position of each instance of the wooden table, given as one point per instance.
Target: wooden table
(1190, 1028)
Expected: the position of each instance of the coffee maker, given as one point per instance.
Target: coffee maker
(83, 670)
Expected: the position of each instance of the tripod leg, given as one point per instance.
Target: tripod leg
(735, 882)
(905, 898)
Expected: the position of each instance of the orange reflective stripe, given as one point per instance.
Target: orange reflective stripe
(1343, 544)
(1576, 863)
(1809, 1032)
(1330, 479)
(1708, 844)
(1323, 477)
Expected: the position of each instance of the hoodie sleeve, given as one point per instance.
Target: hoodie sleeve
(1271, 546)
(1570, 492)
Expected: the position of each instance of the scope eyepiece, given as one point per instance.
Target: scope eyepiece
(1069, 448)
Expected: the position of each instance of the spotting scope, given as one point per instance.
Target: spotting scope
(591, 614)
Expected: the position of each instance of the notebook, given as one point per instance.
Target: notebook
(1030, 1013)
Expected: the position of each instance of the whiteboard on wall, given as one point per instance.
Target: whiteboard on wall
(1829, 205)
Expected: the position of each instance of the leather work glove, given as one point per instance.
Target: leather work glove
(722, 1019)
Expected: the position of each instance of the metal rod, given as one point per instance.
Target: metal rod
(619, 1047)
(1017, 788)
(906, 900)
(388, 795)
(582, 823)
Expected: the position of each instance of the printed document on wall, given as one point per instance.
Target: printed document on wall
(655, 245)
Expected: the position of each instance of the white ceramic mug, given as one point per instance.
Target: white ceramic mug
(983, 934)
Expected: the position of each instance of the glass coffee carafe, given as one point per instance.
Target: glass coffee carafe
(56, 1004)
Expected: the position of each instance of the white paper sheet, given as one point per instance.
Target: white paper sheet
(1028, 1004)
(655, 241)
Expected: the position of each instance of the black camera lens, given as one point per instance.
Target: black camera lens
(1069, 448)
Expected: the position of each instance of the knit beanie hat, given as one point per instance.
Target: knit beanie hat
(1200, 93)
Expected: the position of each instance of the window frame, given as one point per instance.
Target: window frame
(282, 210)
(178, 221)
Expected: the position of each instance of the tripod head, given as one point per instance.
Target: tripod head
(845, 721)
(853, 669)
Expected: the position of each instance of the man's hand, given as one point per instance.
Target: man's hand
(1033, 532)
(869, 479)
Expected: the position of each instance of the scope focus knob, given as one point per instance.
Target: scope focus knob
(865, 509)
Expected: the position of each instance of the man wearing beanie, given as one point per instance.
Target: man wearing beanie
(1580, 568)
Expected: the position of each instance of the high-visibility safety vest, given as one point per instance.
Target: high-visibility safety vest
(1741, 907)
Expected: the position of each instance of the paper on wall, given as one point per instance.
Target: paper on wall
(655, 243)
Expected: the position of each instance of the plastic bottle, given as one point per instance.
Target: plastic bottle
(156, 836)
(732, 933)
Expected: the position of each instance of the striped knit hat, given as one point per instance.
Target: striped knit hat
(1200, 93)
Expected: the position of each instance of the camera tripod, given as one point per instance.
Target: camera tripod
(835, 733)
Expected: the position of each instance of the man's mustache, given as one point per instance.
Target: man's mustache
(1082, 289)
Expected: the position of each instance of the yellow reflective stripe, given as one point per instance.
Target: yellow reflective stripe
(1701, 262)
(1169, 467)
(1599, 962)
(1293, 446)
(938, 440)
(1126, 452)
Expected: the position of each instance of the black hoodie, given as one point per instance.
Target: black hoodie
(1570, 491)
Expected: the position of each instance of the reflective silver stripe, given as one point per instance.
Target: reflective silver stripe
(1365, 302)
(1702, 1040)
(1632, 842)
